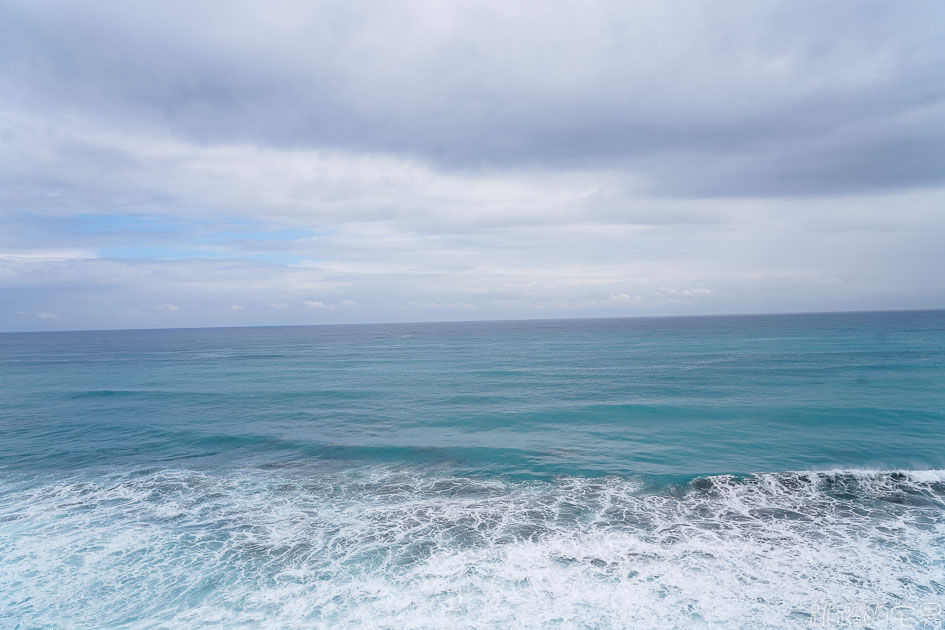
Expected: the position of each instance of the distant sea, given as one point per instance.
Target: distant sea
(776, 471)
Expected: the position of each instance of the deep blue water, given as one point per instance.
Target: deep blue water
(751, 471)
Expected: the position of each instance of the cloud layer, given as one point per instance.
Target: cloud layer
(189, 164)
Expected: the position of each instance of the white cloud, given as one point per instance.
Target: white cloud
(442, 305)
(287, 187)
(319, 305)
(29, 255)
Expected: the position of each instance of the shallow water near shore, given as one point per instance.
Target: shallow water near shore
(752, 471)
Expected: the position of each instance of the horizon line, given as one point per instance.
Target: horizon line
(481, 321)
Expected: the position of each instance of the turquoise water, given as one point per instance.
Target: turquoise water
(752, 471)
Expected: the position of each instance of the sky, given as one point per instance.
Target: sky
(177, 164)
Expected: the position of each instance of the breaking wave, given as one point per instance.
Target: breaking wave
(396, 548)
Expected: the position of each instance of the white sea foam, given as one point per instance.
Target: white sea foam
(396, 549)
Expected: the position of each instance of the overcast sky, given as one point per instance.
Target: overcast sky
(193, 163)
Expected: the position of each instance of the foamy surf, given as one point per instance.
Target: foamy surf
(393, 548)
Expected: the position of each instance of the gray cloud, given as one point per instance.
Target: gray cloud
(757, 98)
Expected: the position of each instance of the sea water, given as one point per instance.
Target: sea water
(731, 472)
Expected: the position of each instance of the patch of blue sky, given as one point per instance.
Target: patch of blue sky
(158, 236)
(98, 223)
(171, 253)
(233, 229)
(277, 235)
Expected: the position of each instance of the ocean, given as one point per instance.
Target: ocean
(769, 471)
